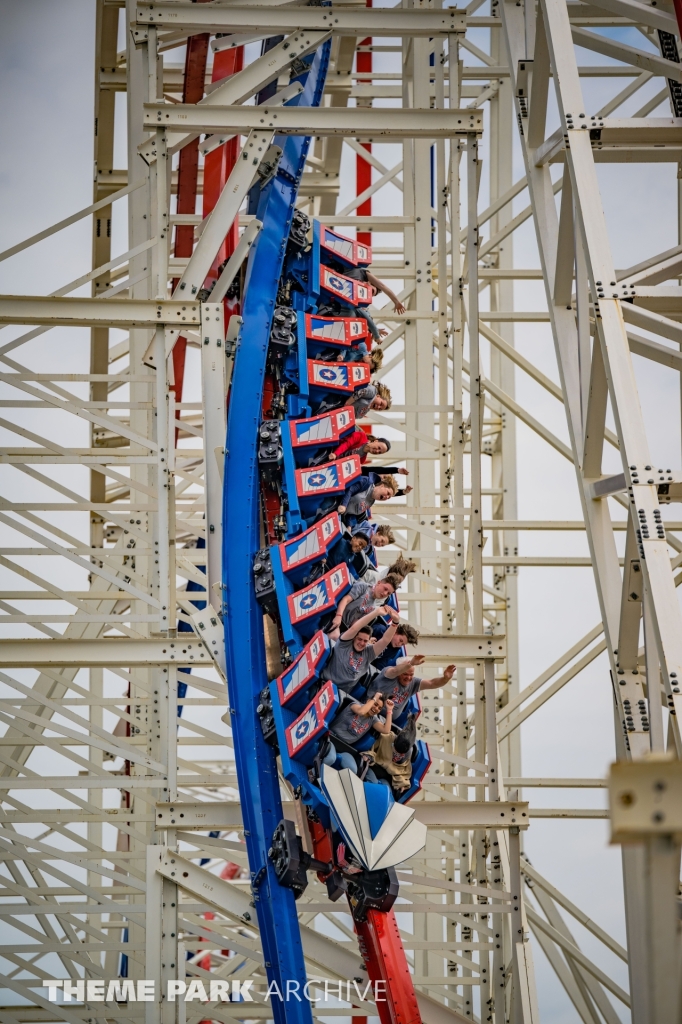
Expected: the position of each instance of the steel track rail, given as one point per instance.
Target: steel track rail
(255, 760)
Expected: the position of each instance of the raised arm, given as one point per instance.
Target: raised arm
(361, 484)
(381, 287)
(349, 444)
(368, 392)
(383, 642)
(353, 630)
(340, 609)
(384, 728)
(389, 469)
(395, 670)
(433, 684)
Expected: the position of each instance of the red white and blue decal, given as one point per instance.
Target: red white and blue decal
(319, 596)
(330, 528)
(310, 545)
(303, 730)
(313, 721)
(337, 330)
(356, 293)
(316, 430)
(346, 248)
(304, 669)
(323, 478)
(363, 253)
(338, 376)
(328, 478)
(332, 373)
(360, 374)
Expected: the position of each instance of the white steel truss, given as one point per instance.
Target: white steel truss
(106, 792)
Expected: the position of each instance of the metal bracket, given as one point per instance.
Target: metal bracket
(267, 168)
(645, 800)
(140, 36)
(210, 629)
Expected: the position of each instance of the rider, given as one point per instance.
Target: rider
(359, 600)
(398, 682)
(355, 650)
(348, 728)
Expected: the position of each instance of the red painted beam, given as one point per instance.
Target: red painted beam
(217, 167)
(382, 950)
(188, 176)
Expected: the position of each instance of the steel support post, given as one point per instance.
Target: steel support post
(502, 372)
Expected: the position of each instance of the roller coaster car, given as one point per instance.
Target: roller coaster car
(316, 435)
(300, 555)
(300, 613)
(307, 607)
(296, 684)
(346, 250)
(304, 735)
(333, 334)
(318, 272)
(308, 442)
(326, 481)
(335, 378)
(308, 491)
(301, 379)
(346, 289)
(369, 832)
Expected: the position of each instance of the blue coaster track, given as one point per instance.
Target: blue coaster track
(255, 760)
(304, 344)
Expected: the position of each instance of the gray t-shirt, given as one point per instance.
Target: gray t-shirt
(351, 727)
(347, 665)
(362, 399)
(361, 602)
(392, 690)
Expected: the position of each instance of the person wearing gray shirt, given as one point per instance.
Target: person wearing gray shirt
(354, 721)
(355, 650)
(398, 682)
(361, 599)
